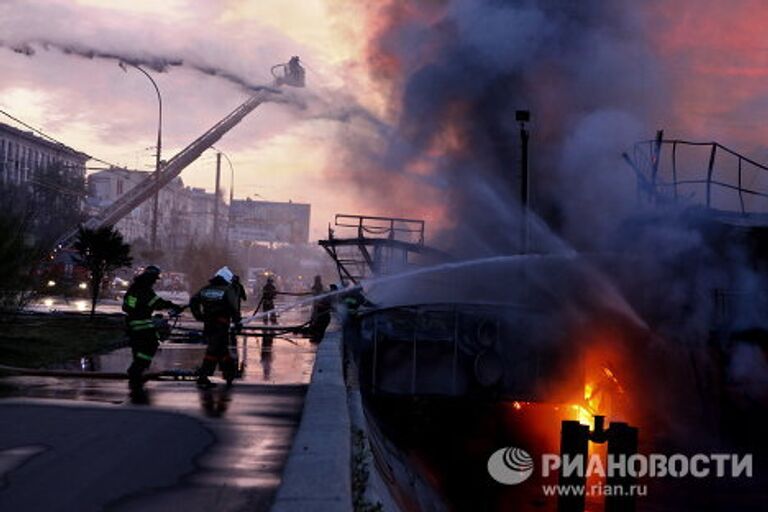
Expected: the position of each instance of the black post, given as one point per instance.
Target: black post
(622, 441)
(523, 116)
(710, 170)
(216, 200)
(655, 163)
(574, 442)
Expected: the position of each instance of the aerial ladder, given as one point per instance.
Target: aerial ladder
(291, 74)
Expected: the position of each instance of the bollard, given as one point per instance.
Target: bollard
(622, 441)
(574, 442)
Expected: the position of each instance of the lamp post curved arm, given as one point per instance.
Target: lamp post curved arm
(124, 66)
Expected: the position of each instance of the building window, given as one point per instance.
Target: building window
(3, 167)
(16, 163)
(119, 187)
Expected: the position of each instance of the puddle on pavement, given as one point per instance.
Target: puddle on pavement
(280, 360)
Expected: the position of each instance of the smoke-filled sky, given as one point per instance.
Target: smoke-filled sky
(411, 102)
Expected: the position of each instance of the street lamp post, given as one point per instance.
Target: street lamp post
(124, 66)
(522, 117)
(231, 187)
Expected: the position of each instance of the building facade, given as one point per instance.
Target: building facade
(185, 214)
(200, 215)
(23, 157)
(268, 221)
(42, 182)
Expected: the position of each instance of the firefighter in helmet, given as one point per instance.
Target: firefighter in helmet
(268, 296)
(139, 303)
(217, 305)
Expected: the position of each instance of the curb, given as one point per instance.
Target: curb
(317, 474)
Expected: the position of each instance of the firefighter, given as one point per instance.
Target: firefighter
(238, 285)
(216, 305)
(268, 295)
(321, 317)
(321, 311)
(354, 299)
(242, 297)
(317, 289)
(295, 72)
(317, 286)
(139, 302)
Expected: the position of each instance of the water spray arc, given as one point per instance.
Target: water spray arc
(156, 63)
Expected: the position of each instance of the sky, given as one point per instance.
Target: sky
(94, 106)
(695, 68)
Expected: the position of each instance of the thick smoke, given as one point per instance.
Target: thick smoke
(456, 72)
(453, 74)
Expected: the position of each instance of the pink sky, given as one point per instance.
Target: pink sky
(94, 106)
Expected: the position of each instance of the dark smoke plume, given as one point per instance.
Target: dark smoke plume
(457, 71)
(454, 73)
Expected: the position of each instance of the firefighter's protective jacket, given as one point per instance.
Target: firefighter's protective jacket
(139, 302)
(269, 293)
(218, 302)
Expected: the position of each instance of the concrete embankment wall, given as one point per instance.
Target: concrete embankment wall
(317, 474)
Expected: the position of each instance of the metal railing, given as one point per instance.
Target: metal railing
(662, 177)
(453, 349)
(411, 336)
(391, 228)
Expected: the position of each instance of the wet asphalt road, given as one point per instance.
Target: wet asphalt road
(85, 444)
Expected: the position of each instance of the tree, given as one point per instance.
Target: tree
(18, 252)
(101, 251)
(16, 261)
(55, 195)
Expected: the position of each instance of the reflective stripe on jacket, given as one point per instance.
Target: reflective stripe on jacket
(139, 302)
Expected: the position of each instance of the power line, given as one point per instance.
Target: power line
(52, 139)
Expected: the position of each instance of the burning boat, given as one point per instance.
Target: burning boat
(455, 360)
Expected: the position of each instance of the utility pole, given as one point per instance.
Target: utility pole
(231, 201)
(231, 191)
(523, 116)
(216, 199)
(155, 204)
